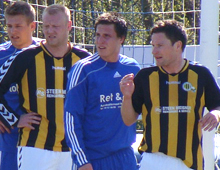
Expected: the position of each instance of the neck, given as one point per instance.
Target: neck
(23, 45)
(175, 67)
(58, 51)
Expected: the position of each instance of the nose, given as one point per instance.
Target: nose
(100, 39)
(11, 30)
(154, 50)
(49, 29)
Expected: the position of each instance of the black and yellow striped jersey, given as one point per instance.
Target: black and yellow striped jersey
(171, 106)
(41, 79)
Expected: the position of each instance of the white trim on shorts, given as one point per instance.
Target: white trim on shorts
(30, 158)
(155, 161)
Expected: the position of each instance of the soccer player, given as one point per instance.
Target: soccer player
(20, 24)
(95, 131)
(41, 75)
(171, 97)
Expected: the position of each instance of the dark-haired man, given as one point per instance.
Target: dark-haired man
(95, 131)
(171, 97)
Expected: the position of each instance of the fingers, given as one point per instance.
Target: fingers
(3, 128)
(27, 120)
(127, 79)
(209, 122)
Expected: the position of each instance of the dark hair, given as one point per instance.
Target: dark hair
(21, 8)
(173, 30)
(120, 24)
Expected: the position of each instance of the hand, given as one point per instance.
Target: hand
(3, 128)
(127, 85)
(86, 167)
(26, 120)
(210, 120)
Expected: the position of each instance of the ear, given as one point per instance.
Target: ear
(69, 25)
(122, 39)
(33, 26)
(178, 45)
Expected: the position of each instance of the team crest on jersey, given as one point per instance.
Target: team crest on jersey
(188, 87)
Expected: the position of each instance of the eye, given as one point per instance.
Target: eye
(97, 35)
(107, 35)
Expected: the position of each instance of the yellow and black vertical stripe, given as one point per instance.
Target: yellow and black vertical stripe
(172, 108)
(43, 89)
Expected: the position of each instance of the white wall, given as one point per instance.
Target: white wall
(143, 55)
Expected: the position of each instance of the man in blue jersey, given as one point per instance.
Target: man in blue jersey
(94, 128)
(20, 24)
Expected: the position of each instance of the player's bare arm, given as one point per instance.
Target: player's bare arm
(210, 120)
(128, 113)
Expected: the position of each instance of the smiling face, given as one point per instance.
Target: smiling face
(56, 29)
(107, 42)
(19, 30)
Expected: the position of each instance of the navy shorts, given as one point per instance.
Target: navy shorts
(8, 161)
(121, 160)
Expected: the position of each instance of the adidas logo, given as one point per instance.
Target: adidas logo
(117, 75)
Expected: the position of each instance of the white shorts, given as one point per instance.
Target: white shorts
(30, 158)
(155, 161)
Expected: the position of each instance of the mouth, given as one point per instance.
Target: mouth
(101, 48)
(51, 36)
(14, 37)
(157, 57)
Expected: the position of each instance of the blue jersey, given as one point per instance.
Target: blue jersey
(93, 121)
(8, 142)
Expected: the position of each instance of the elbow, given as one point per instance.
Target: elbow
(128, 122)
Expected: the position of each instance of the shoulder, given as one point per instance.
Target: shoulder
(31, 50)
(6, 46)
(80, 52)
(197, 67)
(88, 61)
(127, 60)
(36, 40)
(86, 65)
(149, 70)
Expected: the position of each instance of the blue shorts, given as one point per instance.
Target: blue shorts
(8, 161)
(121, 160)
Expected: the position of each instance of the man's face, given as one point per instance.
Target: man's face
(56, 29)
(163, 51)
(107, 42)
(19, 30)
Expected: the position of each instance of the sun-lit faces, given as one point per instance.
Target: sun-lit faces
(56, 29)
(107, 43)
(165, 54)
(19, 30)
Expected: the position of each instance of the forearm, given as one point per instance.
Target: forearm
(8, 118)
(74, 139)
(211, 119)
(128, 113)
